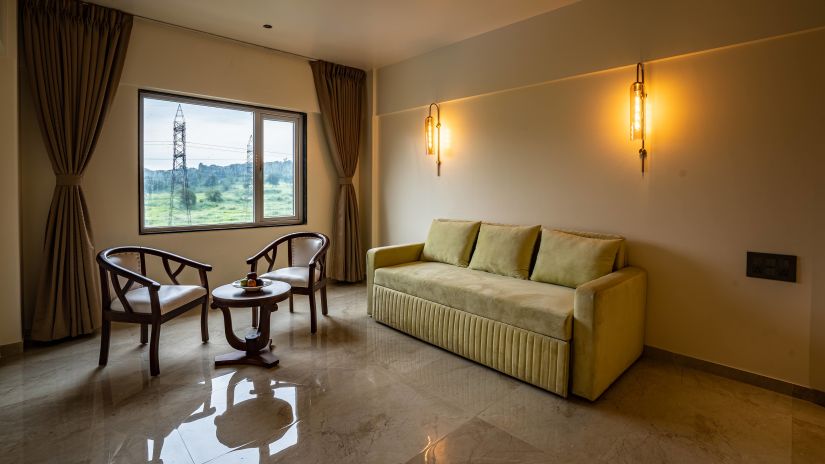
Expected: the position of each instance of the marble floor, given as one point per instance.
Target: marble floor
(359, 392)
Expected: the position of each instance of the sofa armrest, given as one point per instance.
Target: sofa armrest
(389, 256)
(608, 329)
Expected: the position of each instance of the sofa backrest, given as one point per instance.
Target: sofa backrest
(621, 256)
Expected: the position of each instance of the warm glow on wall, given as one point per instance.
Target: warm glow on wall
(638, 96)
(432, 134)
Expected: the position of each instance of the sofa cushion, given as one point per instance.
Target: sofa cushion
(571, 260)
(450, 241)
(621, 255)
(505, 250)
(534, 306)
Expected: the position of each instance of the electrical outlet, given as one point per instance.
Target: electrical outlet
(771, 266)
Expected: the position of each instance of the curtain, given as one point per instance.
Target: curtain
(74, 54)
(341, 97)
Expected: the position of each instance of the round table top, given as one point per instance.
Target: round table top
(230, 296)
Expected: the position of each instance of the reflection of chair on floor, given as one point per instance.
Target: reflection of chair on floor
(141, 300)
(306, 271)
(147, 438)
(239, 427)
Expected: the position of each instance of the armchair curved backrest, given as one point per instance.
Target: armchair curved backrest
(305, 249)
(124, 268)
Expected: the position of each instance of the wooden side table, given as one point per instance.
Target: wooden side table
(256, 349)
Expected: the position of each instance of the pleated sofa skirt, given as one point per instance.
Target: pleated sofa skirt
(534, 358)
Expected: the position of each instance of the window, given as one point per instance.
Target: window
(208, 164)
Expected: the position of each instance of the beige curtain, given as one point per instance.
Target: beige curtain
(74, 54)
(341, 96)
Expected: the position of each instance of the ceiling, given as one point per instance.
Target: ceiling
(362, 33)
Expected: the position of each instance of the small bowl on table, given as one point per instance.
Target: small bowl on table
(247, 289)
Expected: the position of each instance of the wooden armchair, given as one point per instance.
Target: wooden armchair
(306, 271)
(141, 300)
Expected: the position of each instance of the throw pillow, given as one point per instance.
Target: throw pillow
(505, 250)
(450, 241)
(571, 260)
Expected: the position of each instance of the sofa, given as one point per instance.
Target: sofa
(559, 309)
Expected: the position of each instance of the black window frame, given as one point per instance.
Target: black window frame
(260, 113)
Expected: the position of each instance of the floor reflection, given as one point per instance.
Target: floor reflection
(256, 417)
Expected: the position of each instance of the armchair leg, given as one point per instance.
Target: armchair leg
(324, 300)
(144, 334)
(204, 322)
(313, 322)
(105, 335)
(154, 363)
(291, 307)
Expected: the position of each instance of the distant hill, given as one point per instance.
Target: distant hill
(213, 176)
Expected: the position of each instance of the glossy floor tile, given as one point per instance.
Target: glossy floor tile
(360, 392)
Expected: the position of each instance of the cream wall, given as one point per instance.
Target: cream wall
(536, 120)
(9, 184)
(180, 61)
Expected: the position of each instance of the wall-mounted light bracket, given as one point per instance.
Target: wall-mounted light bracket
(638, 95)
(432, 134)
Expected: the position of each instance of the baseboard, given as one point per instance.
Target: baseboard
(11, 349)
(779, 386)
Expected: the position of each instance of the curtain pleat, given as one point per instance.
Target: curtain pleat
(74, 54)
(341, 96)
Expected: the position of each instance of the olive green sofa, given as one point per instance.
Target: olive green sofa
(553, 336)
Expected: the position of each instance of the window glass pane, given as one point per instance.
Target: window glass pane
(197, 164)
(279, 168)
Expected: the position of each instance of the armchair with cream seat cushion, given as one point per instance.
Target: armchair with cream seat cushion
(130, 296)
(306, 269)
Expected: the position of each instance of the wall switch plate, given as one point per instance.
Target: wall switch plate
(771, 266)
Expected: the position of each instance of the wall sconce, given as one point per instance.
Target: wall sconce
(432, 134)
(637, 111)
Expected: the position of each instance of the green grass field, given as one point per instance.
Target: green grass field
(227, 207)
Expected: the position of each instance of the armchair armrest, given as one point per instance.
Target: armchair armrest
(182, 262)
(177, 258)
(389, 256)
(130, 275)
(253, 260)
(608, 329)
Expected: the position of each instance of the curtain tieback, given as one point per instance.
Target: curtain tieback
(69, 179)
(345, 181)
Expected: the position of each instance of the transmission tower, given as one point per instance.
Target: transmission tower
(179, 174)
(249, 163)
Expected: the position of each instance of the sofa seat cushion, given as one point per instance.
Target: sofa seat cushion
(538, 307)
(169, 296)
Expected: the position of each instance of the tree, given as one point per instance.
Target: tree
(188, 198)
(273, 179)
(214, 196)
(211, 181)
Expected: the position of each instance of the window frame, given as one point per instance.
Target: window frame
(260, 114)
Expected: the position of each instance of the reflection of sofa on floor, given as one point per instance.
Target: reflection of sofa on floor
(561, 309)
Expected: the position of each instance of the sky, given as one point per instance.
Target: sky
(213, 135)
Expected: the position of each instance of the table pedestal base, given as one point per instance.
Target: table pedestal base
(263, 358)
(256, 347)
